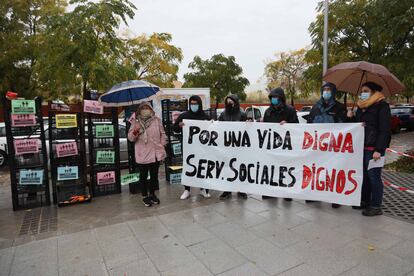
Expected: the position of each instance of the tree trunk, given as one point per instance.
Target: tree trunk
(408, 99)
(217, 103)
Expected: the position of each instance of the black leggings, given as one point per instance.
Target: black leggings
(151, 185)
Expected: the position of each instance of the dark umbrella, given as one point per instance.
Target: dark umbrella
(348, 77)
(129, 93)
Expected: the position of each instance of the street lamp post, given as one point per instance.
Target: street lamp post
(325, 37)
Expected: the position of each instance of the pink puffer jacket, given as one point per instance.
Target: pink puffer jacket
(153, 150)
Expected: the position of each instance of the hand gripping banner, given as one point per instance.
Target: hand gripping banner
(305, 161)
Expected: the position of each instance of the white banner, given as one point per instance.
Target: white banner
(305, 161)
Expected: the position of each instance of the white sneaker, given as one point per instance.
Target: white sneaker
(185, 195)
(204, 193)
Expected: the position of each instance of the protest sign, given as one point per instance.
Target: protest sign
(66, 121)
(31, 177)
(25, 146)
(105, 178)
(129, 178)
(66, 149)
(105, 157)
(23, 107)
(23, 120)
(67, 173)
(92, 107)
(104, 131)
(315, 162)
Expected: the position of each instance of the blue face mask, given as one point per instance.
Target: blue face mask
(274, 101)
(364, 96)
(327, 95)
(194, 107)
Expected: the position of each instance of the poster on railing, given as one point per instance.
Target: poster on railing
(104, 131)
(105, 178)
(66, 121)
(23, 106)
(92, 107)
(66, 149)
(105, 157)
(23, 120)
(67, 173)
(31, 177)
(26, 146)
(304, 161)
(129, 178)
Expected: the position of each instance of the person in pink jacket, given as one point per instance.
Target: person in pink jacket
(147, 132)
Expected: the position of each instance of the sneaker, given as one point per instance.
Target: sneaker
(147, 201)
(335, 206)
(287, 199)
(372, 211)
(154, 200)
(242, 195)
(185, 195)
(204, 193)
(225, 195)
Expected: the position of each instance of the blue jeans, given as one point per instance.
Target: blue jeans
(372, 186)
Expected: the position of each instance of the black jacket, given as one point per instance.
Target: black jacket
(234, 114)
(377, 119)
(189, 115)
(321, 112)
(283, 112)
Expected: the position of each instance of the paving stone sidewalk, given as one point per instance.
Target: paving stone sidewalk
(117, 235)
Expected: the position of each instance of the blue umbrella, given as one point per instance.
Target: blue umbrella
(129, 93)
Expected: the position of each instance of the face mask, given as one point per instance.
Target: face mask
(326, 95)
(364, 96)
(194, 107)
(146, 113)
(274, 101)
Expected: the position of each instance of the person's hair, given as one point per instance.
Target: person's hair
(373, 86)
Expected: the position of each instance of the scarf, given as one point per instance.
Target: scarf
(376, 97)
(145, 123)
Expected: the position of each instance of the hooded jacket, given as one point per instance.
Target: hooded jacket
(190, 115)
(153, 149)
(330, 111)
(235, 114)
(282, 112)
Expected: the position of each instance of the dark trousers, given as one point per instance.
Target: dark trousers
(372, 186)
(188, 188)
(148, 187)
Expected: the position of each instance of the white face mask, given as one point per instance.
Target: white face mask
(364, 96)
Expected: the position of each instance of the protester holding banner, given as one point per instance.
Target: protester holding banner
(327, 110)
(148, 134)
(195, 112)
(233, 113)
(375, 113)
(279, 112)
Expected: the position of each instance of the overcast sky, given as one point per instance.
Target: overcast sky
(252, 31)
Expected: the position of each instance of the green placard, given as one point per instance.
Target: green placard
(104, 131)
(129, 178)
(105, 157)
(23, 107)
